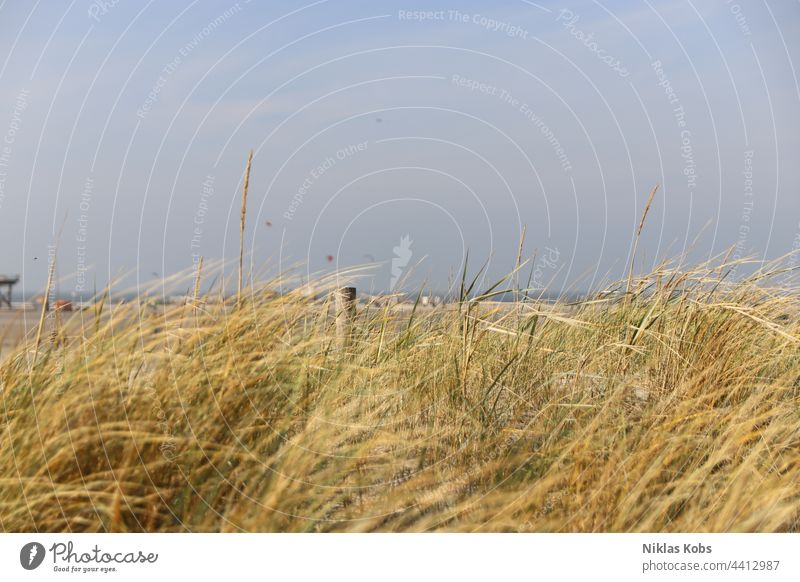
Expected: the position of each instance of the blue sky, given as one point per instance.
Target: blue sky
(129, 124)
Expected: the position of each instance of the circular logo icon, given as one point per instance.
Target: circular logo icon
(31, 555)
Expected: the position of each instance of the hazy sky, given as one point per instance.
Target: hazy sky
(125, 125)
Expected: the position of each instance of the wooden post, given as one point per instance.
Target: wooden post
(345, 306)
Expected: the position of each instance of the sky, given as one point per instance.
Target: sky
(397, 134)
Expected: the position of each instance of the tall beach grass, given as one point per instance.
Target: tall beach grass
(670, 402)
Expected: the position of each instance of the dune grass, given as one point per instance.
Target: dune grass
(670, 403)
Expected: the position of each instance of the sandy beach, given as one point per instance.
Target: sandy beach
(17, 324)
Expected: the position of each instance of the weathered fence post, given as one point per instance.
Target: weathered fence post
(345, 306)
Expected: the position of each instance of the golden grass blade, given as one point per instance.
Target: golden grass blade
(638, 235)
(241, 226)
(45, 306)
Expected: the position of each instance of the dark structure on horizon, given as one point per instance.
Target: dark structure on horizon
(8, 283)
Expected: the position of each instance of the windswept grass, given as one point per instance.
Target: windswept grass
(676, 408)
